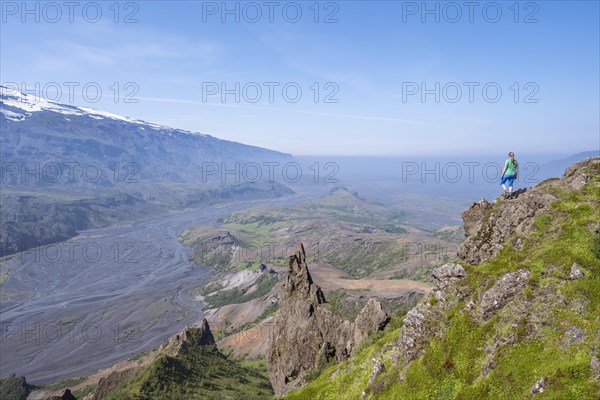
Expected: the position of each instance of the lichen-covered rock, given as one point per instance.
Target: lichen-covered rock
(378, 369)
(444, 276)
(422, 322)
(447, 274)
(539, 386)
(502, 292)
(595, 366)
(573, 335)
(474, 217)
(413, 335)
(576, 273)
(577, 175)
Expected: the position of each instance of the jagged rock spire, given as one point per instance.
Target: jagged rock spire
(299, 279)
(306, 334)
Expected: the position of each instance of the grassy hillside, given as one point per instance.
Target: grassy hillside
(13, 388)
(548, 334)
(195, 372)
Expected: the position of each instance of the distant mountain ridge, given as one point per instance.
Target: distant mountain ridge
(41, 140)
(55, 157)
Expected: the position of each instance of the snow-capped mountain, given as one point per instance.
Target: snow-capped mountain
(17, 106)
(41, 139)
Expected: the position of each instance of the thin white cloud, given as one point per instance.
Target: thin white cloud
(78, 47)
(250, 107)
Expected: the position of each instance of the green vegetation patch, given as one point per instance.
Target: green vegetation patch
(13, 388)
(198, 372)
(262, 286)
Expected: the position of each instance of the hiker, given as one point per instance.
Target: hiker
(509, 174)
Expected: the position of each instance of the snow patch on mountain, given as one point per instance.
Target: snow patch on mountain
(13, 116)
(17, 106)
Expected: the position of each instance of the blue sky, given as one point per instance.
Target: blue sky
(368, 61)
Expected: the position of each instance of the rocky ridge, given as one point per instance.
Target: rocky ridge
(487, 225)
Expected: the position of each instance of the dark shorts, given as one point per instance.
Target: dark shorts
(508, 178)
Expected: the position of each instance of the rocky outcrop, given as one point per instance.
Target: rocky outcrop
(487, 225)
(444, 276)
(306, 334)
(371, 318)
(378, 369)
(414, 333)
(422, 322)
(199, 335)
(579, 173)
(507, 287)
(519, 330)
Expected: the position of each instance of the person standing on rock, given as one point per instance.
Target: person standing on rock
(509, 174)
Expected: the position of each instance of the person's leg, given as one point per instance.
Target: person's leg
(503, 184)
(510, 187)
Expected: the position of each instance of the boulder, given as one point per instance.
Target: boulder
(443, 278)
(539, 386)
(505, 288)
(371, 318)
(576, 273)
(413, 335)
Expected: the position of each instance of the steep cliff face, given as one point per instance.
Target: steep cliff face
(518, 318)
(306, 334)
